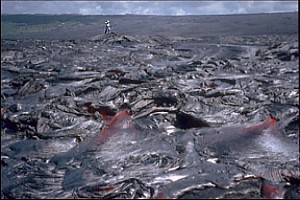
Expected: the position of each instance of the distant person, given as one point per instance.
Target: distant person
(107, 27)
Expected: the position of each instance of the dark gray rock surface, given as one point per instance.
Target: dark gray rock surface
(200, 91)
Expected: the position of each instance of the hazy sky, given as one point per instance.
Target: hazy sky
(146, 7)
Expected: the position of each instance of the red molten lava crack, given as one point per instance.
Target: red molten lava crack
(119, 121)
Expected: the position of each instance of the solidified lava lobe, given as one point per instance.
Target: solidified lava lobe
(120, 121)
(263, 138)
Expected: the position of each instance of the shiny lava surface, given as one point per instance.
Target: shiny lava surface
(119, 116)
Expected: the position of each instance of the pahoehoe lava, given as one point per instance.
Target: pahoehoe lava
(204, 113)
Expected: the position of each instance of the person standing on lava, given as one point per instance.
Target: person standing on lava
(107, 27)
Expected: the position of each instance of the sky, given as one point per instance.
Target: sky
(147, 7)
